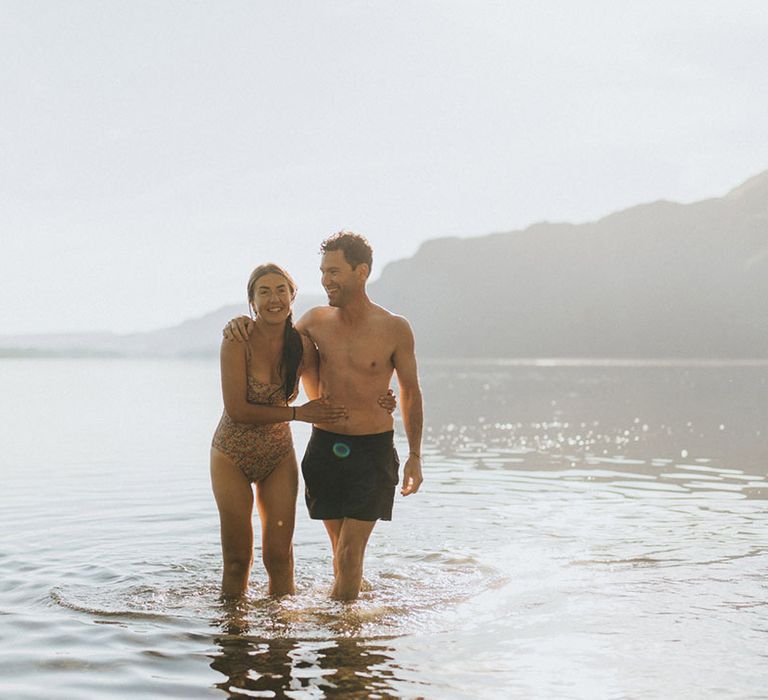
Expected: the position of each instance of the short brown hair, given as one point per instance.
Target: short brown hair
(355, 247)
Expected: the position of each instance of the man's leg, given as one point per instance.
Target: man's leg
(333, 528)
(348, 557)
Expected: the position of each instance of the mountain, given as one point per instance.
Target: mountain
(658, 280)
(199, 337)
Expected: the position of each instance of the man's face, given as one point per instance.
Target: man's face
(339, 280)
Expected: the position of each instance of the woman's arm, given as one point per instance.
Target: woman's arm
(234, 389)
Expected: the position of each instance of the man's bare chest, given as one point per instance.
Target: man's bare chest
(367, 350)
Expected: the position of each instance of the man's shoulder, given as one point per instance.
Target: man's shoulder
(396, 323)
(317, 311)
(313, 315)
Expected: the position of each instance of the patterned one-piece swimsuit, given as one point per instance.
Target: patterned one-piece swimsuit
(256, 449)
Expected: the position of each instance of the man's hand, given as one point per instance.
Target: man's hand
(388, 401)
(238, 329)
(411, 476)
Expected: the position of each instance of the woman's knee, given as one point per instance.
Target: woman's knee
(277, 557)
(238, 562)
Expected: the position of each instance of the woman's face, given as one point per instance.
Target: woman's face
(272, 298)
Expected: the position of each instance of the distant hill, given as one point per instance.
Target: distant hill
(198, 337)
(658, 280)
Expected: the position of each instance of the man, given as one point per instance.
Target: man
(350, 469)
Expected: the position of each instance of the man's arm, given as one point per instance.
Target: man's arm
(411, 405)
(238, 329)
(310, 376)
(310, 371)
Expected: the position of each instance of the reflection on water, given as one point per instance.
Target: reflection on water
(662, 411)
(583, 531)
(286, 667)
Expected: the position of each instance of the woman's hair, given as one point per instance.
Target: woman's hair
(293, 348)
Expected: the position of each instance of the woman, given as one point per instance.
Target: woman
(259, 379)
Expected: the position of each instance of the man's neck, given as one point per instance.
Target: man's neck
(356, 309)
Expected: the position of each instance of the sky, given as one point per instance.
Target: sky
(153, 152)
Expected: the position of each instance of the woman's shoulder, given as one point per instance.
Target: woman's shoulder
(234, 348)
(236, 352)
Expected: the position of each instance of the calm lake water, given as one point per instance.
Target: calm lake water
(583, 532)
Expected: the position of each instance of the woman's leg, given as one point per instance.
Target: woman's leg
(276, 501)
(234, 498)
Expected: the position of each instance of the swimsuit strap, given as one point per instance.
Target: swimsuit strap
(248, 374)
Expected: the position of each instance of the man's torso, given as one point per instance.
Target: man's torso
(356, 365)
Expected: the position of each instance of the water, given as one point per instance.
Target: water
(583, 531)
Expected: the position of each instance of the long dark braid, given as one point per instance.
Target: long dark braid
(293, 348)
(293, 353)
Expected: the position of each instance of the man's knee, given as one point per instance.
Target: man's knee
(349, 556)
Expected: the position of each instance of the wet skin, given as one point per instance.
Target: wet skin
(360, 345)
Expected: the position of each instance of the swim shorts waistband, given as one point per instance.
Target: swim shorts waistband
(370, 437)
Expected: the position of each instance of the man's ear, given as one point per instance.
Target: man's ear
(366, 269)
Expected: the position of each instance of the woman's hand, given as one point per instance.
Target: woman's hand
(388, 401)
(321, 411)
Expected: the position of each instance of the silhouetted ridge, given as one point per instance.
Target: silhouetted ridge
(755, 188)
(656, 280)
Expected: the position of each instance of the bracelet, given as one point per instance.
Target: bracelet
(414, 454)
(293, 417)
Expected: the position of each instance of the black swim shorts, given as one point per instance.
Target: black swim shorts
(350, 476)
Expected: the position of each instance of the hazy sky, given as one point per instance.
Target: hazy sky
(152, 153)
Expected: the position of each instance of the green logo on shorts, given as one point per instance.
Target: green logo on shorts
(341, 449)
